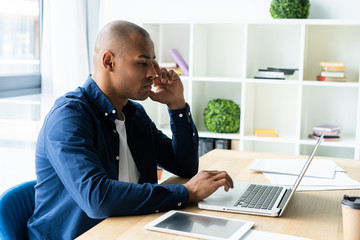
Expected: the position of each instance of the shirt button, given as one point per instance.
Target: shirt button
(157, 211)
(114, 131)
(193, 134)
(117, 158)
(181, 115)
(106, 114)
(179, 204)
(189, 113)
(114, 111)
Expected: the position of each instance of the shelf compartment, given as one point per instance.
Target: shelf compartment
(203, 92)
(329, 105)
(271, 106)
(218, 50)
(334, 43)
(167, 36)
(271, 45)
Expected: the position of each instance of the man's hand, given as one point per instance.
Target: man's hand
(167, 88)
(205, 183)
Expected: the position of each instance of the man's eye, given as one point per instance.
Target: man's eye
(142, 63)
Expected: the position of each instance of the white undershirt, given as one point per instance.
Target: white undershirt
(127, 169)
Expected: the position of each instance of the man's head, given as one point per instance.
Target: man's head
(123, 62)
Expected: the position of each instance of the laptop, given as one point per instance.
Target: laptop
(254, 198)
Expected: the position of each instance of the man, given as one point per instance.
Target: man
(98, 151)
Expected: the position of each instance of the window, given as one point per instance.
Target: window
(19, 47)
(20, 84)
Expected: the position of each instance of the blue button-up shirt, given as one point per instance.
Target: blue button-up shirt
(77, 164)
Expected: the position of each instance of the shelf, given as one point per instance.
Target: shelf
(206, 134)
(223, 57)
(347, 141)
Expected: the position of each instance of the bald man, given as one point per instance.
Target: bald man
(98, 151)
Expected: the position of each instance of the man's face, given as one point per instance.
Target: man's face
(134, 70)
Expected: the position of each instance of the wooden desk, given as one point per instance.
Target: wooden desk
(315, 214)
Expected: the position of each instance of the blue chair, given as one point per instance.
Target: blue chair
(16, 207)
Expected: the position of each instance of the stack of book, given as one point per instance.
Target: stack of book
(332, 72)
(265, 132)
(274, 73)
(171, 66)
(179, 61)
(332, 132)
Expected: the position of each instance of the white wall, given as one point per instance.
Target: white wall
(205, 10)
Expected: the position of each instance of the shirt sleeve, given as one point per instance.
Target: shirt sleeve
(68, 144)
(184, 144)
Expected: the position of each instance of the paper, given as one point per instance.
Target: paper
(256, 235)
(322, 174)
(340, 181)
(321, 168)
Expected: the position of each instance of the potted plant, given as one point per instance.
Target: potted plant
(290, 8)
(222, 116)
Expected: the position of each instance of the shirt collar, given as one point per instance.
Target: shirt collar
(102, 105)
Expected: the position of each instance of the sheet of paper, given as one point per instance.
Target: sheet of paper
(340, 181)
(256, 235)
(321, 168)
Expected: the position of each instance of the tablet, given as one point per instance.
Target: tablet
(200, 226)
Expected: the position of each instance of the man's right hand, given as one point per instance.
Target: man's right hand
(205, 183)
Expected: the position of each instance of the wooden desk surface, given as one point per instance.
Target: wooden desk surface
(316, 214)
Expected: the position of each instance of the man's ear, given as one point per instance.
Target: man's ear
(108, 61)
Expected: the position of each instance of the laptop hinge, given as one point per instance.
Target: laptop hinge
(284, 198)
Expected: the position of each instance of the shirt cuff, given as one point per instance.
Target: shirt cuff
(179, 115)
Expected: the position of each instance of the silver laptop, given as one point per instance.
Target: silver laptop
(254, 198)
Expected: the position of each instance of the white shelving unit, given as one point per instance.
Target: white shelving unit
(224, 56)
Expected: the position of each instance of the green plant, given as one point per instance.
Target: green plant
(222, 116)
(290, 8)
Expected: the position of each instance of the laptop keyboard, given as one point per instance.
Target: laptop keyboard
(259, 196)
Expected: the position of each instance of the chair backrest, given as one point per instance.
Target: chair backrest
(16, 207)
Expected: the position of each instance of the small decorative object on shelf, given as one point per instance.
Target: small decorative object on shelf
(290, 8)
(222, 116)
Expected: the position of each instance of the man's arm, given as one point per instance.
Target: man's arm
(168, 89)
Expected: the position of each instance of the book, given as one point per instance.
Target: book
(333, 64)
(168, 65)
(332, 74)
(332, 133)
(265, 132)
(331, 79)
(180, 61)
(286, 71)
(327, 128)
(267, 74)
(333, 68)
(177, 70)
(326, 138)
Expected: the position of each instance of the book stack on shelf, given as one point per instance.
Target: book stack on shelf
(274, 73)
(332, 132)
(179, 61)
(332, 72)
(171, 66)
(265, 132)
